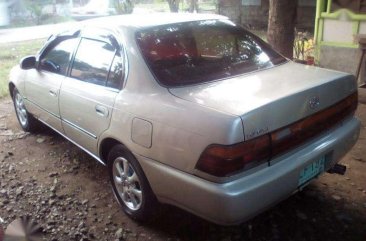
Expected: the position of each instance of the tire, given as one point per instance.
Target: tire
(25, 119)
(130, 186)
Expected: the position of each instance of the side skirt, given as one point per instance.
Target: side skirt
(76, 144)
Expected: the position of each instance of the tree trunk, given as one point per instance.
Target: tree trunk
(193, 5)
(54, 8)
(281, 26)
(173, 5)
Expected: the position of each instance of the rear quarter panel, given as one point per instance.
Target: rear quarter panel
(180, 130)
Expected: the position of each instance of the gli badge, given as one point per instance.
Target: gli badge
(314, 102)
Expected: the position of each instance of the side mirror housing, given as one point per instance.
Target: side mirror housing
(28, 62)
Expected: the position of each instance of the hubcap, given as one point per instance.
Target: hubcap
(20, 109)
(127, 183)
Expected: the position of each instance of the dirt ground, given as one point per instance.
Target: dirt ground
(49, 179)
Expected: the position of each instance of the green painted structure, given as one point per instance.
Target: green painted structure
(337, 28)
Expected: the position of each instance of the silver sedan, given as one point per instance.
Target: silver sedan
(190, 110)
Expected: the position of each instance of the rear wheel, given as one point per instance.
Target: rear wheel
(130, 185)
(26, 120)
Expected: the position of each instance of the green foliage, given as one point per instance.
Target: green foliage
(303, 46)
(35, 8)
(30, 12)
(123, 6)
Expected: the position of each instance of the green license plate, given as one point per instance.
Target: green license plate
(311, 171)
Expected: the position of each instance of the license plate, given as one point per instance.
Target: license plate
(311, 171)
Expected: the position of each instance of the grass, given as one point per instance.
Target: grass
(10, 55)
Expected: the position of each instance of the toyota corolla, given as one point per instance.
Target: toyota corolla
(189, 110)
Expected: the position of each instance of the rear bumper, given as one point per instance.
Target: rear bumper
(238, 200)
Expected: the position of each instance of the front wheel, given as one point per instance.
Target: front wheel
(26, 120)
(130, 185)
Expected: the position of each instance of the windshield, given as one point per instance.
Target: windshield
(201, 51)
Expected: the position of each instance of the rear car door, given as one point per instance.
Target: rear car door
(43, 84)
(87, 95)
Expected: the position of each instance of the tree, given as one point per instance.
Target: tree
(35, 8)
(281, 25)
(193, 5)
(123, 6)
(173, 5)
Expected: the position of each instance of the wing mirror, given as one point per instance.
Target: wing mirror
(28, 62)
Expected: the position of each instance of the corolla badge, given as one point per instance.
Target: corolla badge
(257, 132)
(314, 102)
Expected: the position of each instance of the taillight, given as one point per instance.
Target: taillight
(297, 133)
(221, 160)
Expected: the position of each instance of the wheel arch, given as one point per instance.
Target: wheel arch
(11, 89)
(105, 146)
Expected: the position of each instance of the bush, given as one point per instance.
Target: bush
(123, 6)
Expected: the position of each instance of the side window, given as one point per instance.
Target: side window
(116, 74)
(57, 59)
(92, 61)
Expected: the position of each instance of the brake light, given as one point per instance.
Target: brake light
(221, 160)
(297, 133)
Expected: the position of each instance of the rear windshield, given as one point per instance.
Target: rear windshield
(201, 51)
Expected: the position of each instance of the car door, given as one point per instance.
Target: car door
(43, 84)
(87, 95)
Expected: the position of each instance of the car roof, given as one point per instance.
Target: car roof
(148, 20)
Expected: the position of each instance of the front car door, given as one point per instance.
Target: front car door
(87, 95)
(43, 84)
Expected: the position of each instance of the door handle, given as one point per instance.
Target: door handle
(53, 93)
(101, 110)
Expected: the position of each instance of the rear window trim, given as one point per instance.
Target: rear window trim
(223, 79)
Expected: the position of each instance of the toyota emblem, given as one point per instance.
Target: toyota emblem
(314, 102)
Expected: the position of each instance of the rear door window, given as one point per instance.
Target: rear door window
(93, 61)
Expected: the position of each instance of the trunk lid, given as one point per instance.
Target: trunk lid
(269, 99)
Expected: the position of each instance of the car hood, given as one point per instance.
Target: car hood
(270, 99)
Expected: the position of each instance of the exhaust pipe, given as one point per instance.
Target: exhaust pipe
(338, 169)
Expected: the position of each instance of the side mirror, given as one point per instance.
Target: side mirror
(28, 62)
